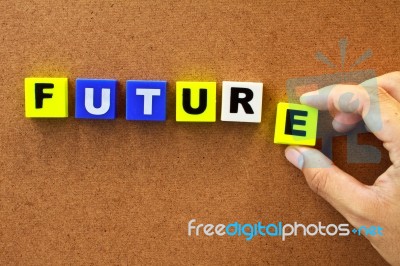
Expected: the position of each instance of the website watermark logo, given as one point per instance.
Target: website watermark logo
(345, 74)
(279, 229)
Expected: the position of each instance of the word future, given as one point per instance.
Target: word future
(147, 100)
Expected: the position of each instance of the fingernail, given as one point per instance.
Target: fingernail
(307, 97)
(295, 157)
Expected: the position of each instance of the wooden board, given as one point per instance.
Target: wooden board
(122, 192)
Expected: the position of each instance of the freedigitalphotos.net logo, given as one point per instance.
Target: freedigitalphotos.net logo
(279, 229)
(345, 73)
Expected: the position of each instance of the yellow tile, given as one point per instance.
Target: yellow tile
(46, 97)
(195, 101)
(296, 124)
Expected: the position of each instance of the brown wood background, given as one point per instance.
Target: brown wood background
(122, 192)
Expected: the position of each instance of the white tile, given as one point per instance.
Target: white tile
(241, 101)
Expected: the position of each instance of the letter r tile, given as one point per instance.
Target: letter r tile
(241, 101)
(296, 124)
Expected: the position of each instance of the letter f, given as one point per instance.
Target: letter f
(190, 226)
(40, 95)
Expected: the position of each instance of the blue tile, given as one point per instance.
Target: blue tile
(146, 100)
(96, 98)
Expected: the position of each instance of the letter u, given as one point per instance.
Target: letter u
(187, 102)
(105, 101)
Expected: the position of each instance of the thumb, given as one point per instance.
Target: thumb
(341, 190)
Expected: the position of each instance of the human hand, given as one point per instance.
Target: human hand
(360, 204)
